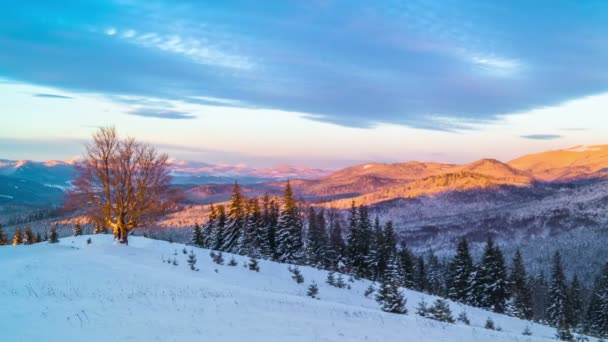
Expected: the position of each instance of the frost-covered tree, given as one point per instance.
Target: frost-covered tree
(440, 311)
(28, 236)
(192, 261)
(289, 231)
(406, 267)
(597, 314)
(313, 290)
(296, 274)
(557, 294)
(436, 276)
(235, 221)
(359, 242)
(336, 247)
(253, 265)
(316, 239)
(197, 236)
(270, 218)
(490, 285)
(520, 289)
(421, 279)
(460, 273)
(575, 303)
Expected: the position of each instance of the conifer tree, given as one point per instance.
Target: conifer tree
(557, 294)
(460, 273)
(520, 289)
(421, 280)
(490, 286)
(296, 274)
(53, 236)
(406, 265)
(313, 290)
(575, 303)
(235, 223)
(18, 237)
(192, 261)
(336, 248)
(254, 265)
(77, 229)
(38, 237)
(360, 232)
(331, 279)
(28, 236)
(597, 320)
(254, 229)
(436, 277)
(422, 308)
(289, 232)
(197, 236)
(440, 311)
(375, 257)
(462, 317)
(217, 228)
(389, 295)
(3, 238)
(270, 219)
(316, 241)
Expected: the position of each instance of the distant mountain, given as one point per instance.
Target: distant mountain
(577, 163)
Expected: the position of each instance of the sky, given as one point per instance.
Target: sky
(316, 83)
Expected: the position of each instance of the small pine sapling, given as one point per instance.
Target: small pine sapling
(77, 229)
(463, 318)
(422, 308)
(192, 261)
(232, 262)
(296, 274)
(340, 282)
(89, 241)
(527, 331)
(253, 265)
(313, 290)
(175, 263)
(53, 236)
(369, 291)
(490, 324)
(331, 280)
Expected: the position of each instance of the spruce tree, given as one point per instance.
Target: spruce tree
(296, 274)
(235, 223)
(359, 240)
(421, 280)
(3, 238)
(254, 265)
(270, 219)
(336, 248)
(440, 311)
(18, 237)
(375, 257)
(460, 273)
(436, 277)
(217, 228)
(28, 236)
(490, 286)
(406, 266)
(313, 290)
(289, 232)
(575, 303)
(597, 318)
(557, 294)
(422, 308)
(77, 229)
(316, 241)
(53, 236)
(197, 236)
(520, 289)
(192, 261)
(254, 229)
(389, 295)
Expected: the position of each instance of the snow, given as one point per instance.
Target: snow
(74, 291)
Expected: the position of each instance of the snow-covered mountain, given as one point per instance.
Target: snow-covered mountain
(100, 291)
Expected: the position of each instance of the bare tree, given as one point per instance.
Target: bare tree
(121, 184)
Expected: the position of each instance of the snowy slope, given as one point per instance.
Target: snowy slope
(73, 291)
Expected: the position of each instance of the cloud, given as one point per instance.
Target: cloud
(53, 96)
(386, 63)
(161, 114)
(575, 129)
(542, 136)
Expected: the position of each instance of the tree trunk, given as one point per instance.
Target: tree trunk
(124, 234)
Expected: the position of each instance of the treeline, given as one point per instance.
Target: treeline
(284, 231)
(27, 237)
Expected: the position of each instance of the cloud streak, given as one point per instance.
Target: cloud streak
(53, 96)
(161, 114)
(542, 136)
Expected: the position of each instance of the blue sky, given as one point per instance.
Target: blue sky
(255, 82)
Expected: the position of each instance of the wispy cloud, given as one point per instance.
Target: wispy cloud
(542, 136)
(53, 96)
(161, 114)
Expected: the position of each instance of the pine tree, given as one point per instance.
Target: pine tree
(53, 236)
(440, 311)
(232, 262)
(557, 294)
(369, 291)
(270, 219)
(597, 318)
(575, 303)
(463, 318)
(490, 286)
(422, 308)
(254, 229)
(336, 248)
(313, 290)
(389, 295)
(421, 280)
(38, 237)
(18, 237)
(435, 276)
(375, 257)
(331, 280)
(490, 324)
(289, 232)
(406, 266)
(296, 274)
(253, 265)
(28, 236)
(77, 229)
(235, 223)
(460, 273)
(192, 261)
(563, 332)
(3, 238)
(99, 229)
(520, 289)
(197, 236)
(316, 242)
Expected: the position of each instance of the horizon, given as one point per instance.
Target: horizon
(336, 85)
